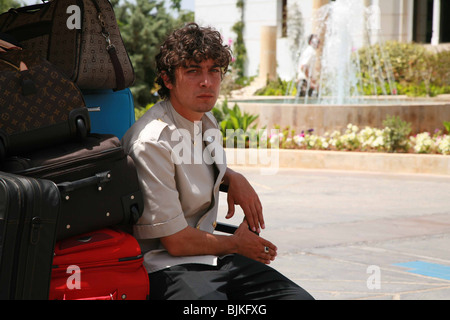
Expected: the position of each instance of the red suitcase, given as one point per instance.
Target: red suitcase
(102, 265)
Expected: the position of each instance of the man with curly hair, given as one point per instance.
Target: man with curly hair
(176, 147)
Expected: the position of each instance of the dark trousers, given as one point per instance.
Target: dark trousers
(234, 278)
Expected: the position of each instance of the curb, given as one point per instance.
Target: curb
(272, 159)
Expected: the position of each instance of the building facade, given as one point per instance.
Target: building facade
(290, 22)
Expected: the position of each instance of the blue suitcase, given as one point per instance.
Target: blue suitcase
(111, 112)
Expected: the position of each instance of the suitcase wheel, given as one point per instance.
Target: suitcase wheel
(81, 128)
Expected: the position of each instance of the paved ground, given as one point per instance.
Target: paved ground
(350, 235)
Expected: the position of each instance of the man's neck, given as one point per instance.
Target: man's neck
(185, 113)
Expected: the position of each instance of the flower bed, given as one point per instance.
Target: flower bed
(367, 139)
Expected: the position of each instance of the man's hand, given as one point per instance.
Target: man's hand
(191, 242)
(253, 246)
(241, 193)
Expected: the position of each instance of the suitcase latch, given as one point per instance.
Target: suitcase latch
(35, 230)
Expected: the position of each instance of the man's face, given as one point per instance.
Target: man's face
(315, 42)
(196, 88)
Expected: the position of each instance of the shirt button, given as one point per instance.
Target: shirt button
(214, 224)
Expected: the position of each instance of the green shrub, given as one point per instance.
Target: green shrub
(277, 88)
(238, 123)
(398, 134)
(447, 126)
(417, 71)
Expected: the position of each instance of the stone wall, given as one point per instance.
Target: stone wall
(327, 118)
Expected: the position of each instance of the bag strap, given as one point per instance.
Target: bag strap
(7, 42)
(13, 13)
(120, 78)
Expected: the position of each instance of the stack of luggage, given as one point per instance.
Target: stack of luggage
(68, 192)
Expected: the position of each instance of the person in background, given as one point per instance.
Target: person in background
(305, 72)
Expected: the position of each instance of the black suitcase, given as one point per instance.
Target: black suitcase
(29, 212)
(97, 181)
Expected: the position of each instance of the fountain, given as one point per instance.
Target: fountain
(345, 26)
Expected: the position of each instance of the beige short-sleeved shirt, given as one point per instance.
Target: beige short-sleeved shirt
(308, 59)
(180, 165)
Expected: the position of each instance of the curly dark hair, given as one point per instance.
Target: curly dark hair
(190, 43)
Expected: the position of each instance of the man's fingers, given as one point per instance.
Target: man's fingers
(269, 253)
(250, 215)
(230, 212)
(259, 211)
(258, 219)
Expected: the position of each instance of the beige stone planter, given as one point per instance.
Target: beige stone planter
(272, 159)
(423, 116)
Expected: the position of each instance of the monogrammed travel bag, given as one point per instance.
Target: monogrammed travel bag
(39, 106)
(106, 264)
(80, 37)
(29, 212)
(98, 182)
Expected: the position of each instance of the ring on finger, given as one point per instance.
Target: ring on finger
(266, 249)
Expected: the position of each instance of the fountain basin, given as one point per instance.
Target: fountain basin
(425, 115)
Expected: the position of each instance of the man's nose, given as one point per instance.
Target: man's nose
(206, 80)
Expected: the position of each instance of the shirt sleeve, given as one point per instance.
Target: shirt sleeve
(162, 215)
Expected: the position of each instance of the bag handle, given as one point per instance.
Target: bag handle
(26, 82)
(99, 180)
(7, 42)
(6, 46)
(111, 49)
(111, 296)
(35, 8)
(28, 86)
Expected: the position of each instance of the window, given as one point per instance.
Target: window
(284, 15)
(423, 21)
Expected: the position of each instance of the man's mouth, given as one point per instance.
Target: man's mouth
(205, 96)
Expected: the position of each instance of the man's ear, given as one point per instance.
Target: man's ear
(166, 80)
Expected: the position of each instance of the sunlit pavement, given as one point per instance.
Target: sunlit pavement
(350, 235)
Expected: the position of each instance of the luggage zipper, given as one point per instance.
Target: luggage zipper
(101, 263)
(55, 168)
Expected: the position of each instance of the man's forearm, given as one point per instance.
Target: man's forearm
(193, 242)
(228, 174)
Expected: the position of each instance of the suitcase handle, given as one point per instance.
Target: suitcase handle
(111, 296)
(100, 179)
